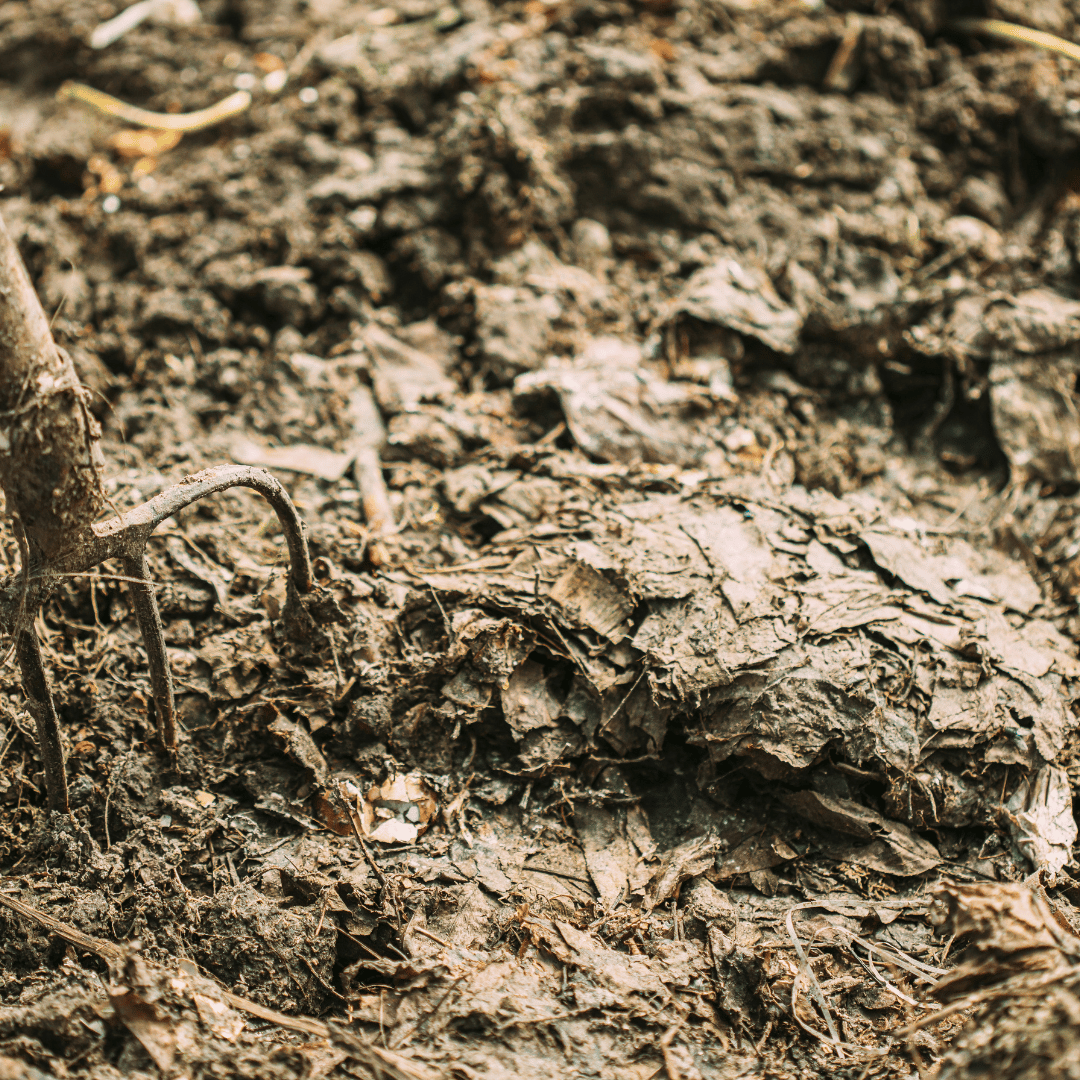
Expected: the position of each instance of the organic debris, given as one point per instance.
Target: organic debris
(1017, 982)
(681, 403)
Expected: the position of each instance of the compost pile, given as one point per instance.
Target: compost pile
(682, 400)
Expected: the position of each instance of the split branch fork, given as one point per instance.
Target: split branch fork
(50, 470)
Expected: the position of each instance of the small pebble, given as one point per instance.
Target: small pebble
(308, 96)
(110, 204)
(363, 218)
(738, 439)
(275, 81)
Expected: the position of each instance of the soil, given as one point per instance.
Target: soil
(717, 363)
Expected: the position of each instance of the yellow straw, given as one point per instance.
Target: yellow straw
(132, 114)
(1012, 32)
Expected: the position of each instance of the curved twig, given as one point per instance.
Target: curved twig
(125, 536)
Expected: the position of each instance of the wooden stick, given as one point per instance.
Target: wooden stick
(369, 437)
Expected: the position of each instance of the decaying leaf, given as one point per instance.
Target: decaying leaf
(741, 297)
(297, 742)
(678, 865)
(588, 599)
(618, 410)
(608, 853)
(1040, 816)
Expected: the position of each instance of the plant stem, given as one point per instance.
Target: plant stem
(50, 464)
(51, 475)
(39, 701)
(50, 470)
(148, 616)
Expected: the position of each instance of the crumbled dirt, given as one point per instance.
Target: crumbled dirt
(716, 364)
